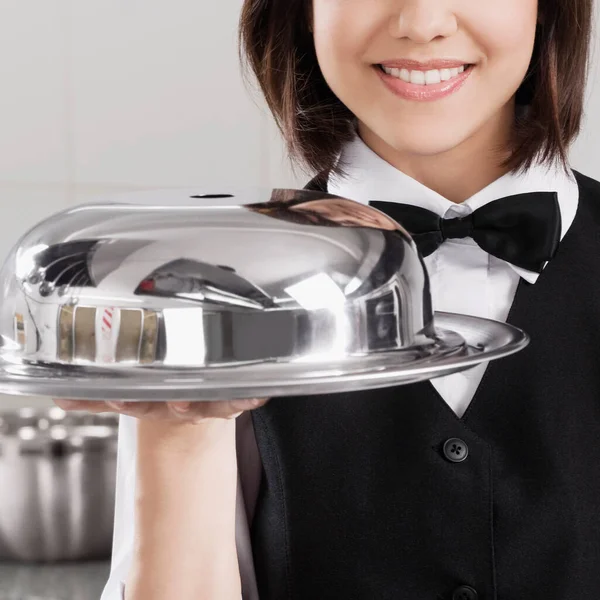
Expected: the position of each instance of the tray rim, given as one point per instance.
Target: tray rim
(454, 330)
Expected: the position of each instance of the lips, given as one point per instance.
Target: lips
(424, 85)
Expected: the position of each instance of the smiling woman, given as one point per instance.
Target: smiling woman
(322, 73)
(496, 39)
(456, 116)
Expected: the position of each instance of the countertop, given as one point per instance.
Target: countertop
(68, 581)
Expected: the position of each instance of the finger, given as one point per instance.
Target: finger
(242, 406)
(186, 411)
(248, 404)
(201, 411)
(94, 406)
(135, 409)
(179, 409)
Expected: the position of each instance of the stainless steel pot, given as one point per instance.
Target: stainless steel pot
(57, 494)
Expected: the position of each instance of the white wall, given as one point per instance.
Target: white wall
(111, 95)
(585, 152)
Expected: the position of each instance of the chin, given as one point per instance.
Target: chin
(425, 142)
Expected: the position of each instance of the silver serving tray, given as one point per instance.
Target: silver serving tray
(462, 342)
(174, 295)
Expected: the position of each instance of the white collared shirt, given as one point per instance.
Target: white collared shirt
(464, 279)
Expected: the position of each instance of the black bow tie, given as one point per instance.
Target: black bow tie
(523, 230)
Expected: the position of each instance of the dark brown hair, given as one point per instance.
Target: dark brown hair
(277, 45)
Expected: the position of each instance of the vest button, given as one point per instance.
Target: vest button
(465, 592)
(455, 450)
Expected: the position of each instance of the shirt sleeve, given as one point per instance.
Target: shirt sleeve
(124, 530)
(249, 480)
(123, 534)
(249, 476)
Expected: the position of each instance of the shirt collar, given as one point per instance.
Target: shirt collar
(370, 177)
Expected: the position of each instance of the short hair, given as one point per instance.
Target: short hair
(277, 46)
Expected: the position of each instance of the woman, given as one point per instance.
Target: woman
(478, 485)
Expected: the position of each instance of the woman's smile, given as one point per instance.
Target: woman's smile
(424, 83)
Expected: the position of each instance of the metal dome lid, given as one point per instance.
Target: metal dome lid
(218, 295)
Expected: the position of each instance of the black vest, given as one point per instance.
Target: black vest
(362, 500)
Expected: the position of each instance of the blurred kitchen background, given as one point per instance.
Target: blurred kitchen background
(100, 97)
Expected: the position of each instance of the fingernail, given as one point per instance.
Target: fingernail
(181, 406)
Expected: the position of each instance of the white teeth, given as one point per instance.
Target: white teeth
(432, 77)
(424, 77)
(417, 77)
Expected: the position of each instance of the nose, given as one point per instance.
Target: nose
(422, 21)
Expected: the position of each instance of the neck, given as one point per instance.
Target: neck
(461, 172)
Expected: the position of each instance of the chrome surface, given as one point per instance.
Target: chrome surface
(182, 294)
(469, 342)
(81, 580)
(58, 485)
